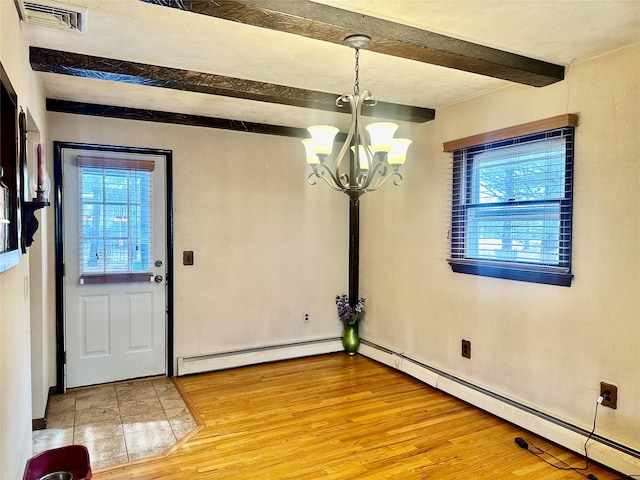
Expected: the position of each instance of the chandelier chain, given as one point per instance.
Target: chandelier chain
(356, 85)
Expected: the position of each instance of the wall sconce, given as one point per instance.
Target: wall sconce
(39, 189)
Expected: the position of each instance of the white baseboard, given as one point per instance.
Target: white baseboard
(606, 452)
(188, 365)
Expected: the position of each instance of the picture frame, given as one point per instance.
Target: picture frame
(11, 179)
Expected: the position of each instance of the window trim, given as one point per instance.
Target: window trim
(538, 126)
(549, 275)
(125, 277)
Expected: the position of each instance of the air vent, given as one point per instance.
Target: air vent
(54, 15)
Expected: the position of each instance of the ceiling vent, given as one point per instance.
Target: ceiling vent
(46, 13)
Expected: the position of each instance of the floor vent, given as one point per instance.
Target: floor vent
(54, 15)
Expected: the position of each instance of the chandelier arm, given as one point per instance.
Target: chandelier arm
(397, 181)
(380, 168)
(366, 95)
(347, 98)
(333, 185)
(353, 101)
(311, 180)
(333, 181)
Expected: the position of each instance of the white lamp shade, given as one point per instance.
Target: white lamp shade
(363, 161)
(398, 153)
(381, 135)
(322, 137)
(312, 158)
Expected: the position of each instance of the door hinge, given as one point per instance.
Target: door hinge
(65, 358)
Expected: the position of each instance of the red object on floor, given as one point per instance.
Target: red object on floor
(73, 459)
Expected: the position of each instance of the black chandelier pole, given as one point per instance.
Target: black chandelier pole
(354, 247)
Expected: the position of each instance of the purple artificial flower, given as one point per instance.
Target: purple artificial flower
(349, 315)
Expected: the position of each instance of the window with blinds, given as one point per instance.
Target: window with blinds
(115, 219)
(512, 202)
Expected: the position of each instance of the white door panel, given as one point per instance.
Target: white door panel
(114, 330)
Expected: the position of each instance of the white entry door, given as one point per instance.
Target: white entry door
(114, 248)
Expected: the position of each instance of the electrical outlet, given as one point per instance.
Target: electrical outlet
(609, 394)
(466, 348)
(306, 318)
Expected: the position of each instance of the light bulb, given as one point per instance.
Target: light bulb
(362, 157)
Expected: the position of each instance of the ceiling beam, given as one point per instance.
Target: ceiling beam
(67, 63)
(144, 115)
(331, 24)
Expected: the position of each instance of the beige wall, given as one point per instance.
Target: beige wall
(268, 247)
(15, 347)
(544, 346)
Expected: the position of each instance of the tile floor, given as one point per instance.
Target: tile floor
(117, 422)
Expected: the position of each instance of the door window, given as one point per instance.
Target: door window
(115, 224)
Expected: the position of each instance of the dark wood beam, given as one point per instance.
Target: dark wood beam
(127, 113)
(75, 64)
(331, 24)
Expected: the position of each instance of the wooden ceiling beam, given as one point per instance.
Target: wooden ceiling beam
(67, 63)
(144, 115)
(331, 24)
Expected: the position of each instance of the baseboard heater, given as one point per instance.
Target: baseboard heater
(619, 457)
(249, 356)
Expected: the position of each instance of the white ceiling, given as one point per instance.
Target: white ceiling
(556, 31)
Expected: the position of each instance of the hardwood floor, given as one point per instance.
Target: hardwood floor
(340, 417)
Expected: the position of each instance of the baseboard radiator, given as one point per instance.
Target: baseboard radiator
(602, 450)
(251, 356)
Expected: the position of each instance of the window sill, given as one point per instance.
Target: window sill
(524, 273)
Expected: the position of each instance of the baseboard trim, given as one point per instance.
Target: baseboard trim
(41, 423)
(192, 364)
(614, 455)
(38, 424)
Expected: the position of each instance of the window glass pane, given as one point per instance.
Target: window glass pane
(140, 236)
(91, 221)
(116, 255)
(531, 171)
(92, 251)
(116, 222)
(92, 182)
(514, 234)
(115, 186)
(4, 216)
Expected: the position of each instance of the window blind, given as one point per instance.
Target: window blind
(115, 209)
(512, 202)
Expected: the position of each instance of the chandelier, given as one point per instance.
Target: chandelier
(371, 164)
